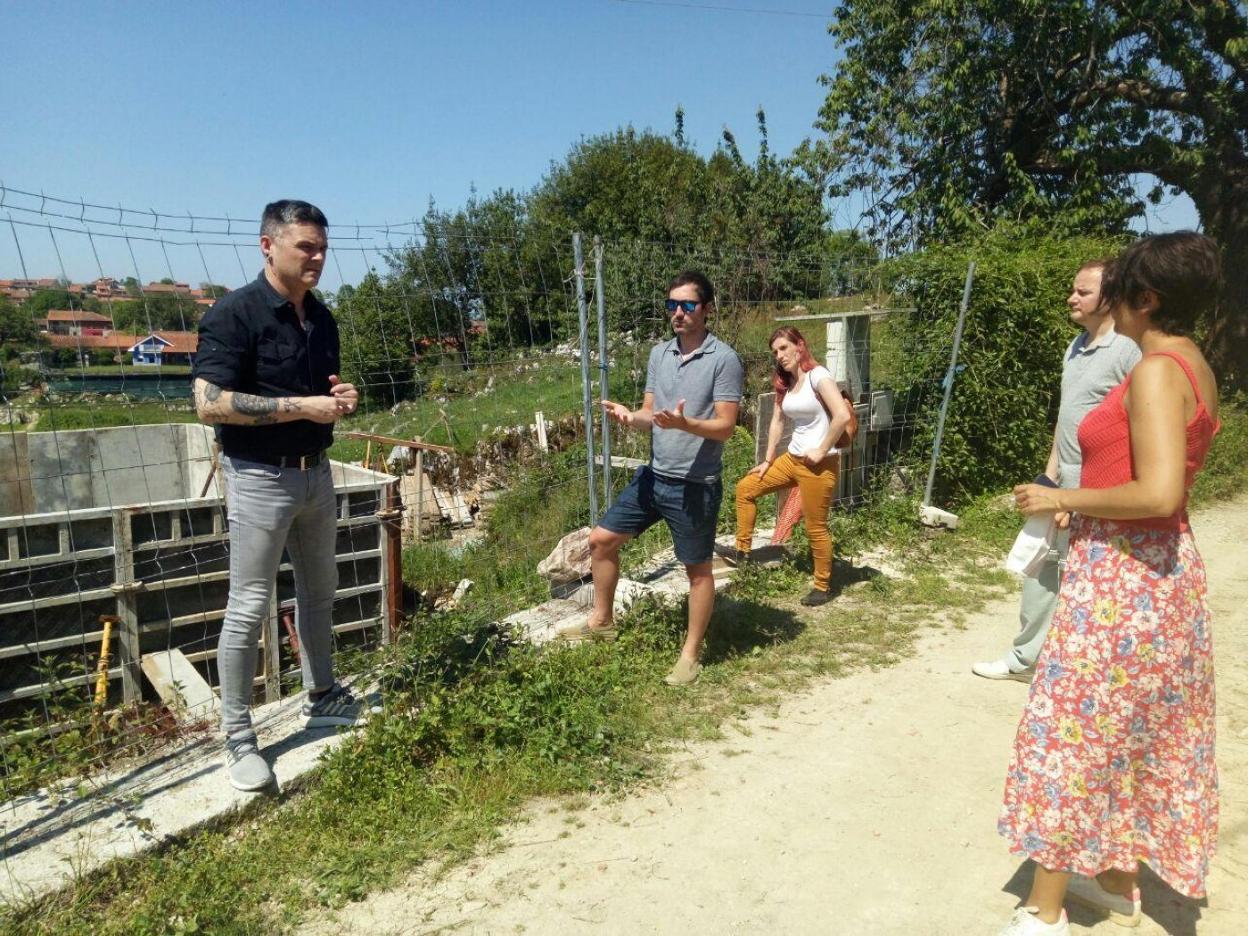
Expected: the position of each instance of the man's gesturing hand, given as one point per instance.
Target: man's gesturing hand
(619, 412)
(673, 418)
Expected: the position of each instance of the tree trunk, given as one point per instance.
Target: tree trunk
(1225, 219)
(1226, 345)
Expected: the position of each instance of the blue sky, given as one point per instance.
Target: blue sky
(369, 110)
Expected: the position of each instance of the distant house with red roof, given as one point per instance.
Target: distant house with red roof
(73, 322)
(107, 290)
(166, 347)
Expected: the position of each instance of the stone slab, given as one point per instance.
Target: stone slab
(49, 837)
(179, 685)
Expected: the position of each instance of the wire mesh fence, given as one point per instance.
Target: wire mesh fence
(476, 398)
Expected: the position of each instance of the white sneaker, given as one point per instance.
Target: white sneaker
(1024, 922)
(1125, 911)
(1001, 669)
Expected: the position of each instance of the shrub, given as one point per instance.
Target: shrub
(1006, 392)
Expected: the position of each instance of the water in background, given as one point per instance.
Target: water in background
(142, 386)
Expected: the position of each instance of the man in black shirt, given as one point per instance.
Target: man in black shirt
(266, 375)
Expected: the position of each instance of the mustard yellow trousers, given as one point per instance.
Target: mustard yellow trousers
(818, 489)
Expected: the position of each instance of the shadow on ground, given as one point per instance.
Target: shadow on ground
(1174, 913)
(741, 625)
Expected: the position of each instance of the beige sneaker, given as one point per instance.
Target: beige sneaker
(683, 673)
(575, 633)
(1123, 910)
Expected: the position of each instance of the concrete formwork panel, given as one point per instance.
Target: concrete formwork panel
(119, 528)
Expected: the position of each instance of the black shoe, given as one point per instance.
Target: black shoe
(816, 597)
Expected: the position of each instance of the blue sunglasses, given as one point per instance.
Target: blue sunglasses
(688, 306)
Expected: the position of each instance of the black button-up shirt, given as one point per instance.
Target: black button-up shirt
(251, 341)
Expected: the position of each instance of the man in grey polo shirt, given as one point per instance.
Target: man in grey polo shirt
(1095, 362)
(693, 392)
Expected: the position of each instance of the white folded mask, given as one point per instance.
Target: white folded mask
(1031, 548)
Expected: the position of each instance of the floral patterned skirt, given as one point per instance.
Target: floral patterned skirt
(1113, 760)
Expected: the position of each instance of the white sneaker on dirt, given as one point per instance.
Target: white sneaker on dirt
(1001, 669)
(1024, 922)
(1123, 910)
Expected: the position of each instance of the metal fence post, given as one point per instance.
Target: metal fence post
(603, 371)
(953, 367)
(586, 391)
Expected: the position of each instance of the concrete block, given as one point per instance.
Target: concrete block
(179, 685)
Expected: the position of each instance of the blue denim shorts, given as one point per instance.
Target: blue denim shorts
(690, 509)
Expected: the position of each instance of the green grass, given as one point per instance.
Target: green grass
(476, 725)
(1225, 474)
(72, 416)
(459, 408)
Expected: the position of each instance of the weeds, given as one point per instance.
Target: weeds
(476, 723)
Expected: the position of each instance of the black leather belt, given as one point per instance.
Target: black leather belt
(302, 462)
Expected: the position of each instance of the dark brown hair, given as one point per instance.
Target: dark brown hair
(1183, 269)
(699, 281)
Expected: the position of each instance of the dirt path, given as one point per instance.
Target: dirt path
(868, 806)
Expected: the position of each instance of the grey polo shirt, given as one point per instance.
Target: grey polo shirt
(713, 373)
(1089, 372)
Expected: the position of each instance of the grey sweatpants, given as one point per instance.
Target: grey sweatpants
(1035, 610)
(272, 509)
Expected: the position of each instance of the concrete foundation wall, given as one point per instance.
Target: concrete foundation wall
(51, 472)
(112, 522)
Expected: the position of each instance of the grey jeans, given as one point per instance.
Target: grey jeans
(1035, 610)
(272, 509)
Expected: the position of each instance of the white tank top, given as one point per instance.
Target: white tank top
(810, 419)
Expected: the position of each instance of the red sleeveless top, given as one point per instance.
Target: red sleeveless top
(1105, 440)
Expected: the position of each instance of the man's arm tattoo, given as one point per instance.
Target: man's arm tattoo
(212, 392)
(263, 410)
(291, 405)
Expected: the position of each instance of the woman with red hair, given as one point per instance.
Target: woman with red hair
(806, 394)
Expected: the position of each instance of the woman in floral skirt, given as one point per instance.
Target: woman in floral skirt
(1113, 761)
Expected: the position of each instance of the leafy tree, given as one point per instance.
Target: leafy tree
(755, 227)
(950, 114)
(378, 339)
(43, 301)
(153, 313)
(1006, 393)
(17, 325)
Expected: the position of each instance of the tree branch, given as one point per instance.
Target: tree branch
(1155, 155)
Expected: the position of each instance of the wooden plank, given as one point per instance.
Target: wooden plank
(622, 461)
(37, 689)
(128, 654)
(826, 316)
(179, 685)
(405, 443)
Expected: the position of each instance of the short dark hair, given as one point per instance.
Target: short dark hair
(1183, 269)
(697, 279)
(286, 211)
